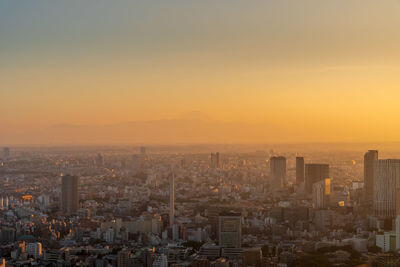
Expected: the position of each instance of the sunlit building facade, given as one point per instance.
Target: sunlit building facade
(69, 194)
(278, 173)
(299, 170)
(314, 173)
(321, 193)
(386, 188)
(369, 159)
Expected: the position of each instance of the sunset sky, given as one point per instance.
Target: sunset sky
(321, 70)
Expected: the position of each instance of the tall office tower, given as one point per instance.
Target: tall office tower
(5, 203)
(160, 261)
(99, 160)
(369, 159)
(315, 173)
(214, 161)
(299, 170)
(69, 194)
(123, 258)
(397, 230)
(230, 230)
(143, 150)
(7, 235)
(277, 172)
(171, 199)
(34, 249)
(386, 188)
(175, 232)
(321, 193)
(6, 152)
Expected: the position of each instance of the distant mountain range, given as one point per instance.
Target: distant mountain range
(175, 131)
(193, 128)
(157, 131)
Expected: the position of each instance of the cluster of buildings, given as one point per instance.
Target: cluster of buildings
(118, 208)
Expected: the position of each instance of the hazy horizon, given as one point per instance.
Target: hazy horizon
(265, 71)
(183, 130)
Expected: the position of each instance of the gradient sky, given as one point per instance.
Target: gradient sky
(332, 67)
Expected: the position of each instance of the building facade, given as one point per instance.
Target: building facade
(69, 194)
(230, 230)
(369, 159)
(277, 173)
(172, 199)
(314, 173)
(386, 188)
(34, 249)
(299, 170)
(321, 193)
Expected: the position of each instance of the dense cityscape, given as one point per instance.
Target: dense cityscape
(172, 133)
(160, 206)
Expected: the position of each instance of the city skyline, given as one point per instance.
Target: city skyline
(199, 133)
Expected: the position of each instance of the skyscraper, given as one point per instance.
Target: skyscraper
(230, 230)
(214, 162)
(143, 150)
(34, 249)
(321, 193)
(123, 258)
(386, 188)
(369, 159)
(314, 173)
(171, 199)
(69, 194)
(161, 261)
(299, 170)
(277, 172)
(99, 160)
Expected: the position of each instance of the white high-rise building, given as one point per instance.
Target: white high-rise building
(230, 230)
(385, 241)
(175, 232)
(389, 241)
(109, 235)
(123, 258)
(321, 193)
(172, 199)
(386, 188)
(161, 261)
(34, 249)
(44, 201)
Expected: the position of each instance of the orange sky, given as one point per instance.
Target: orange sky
(330, 68)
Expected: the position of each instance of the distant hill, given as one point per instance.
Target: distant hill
(176, 131)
